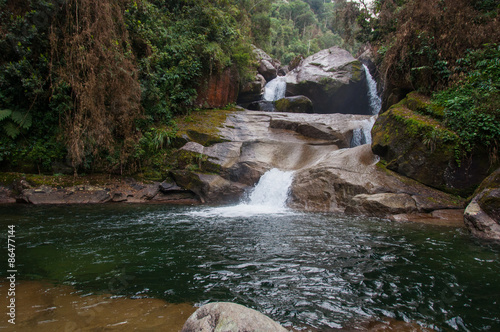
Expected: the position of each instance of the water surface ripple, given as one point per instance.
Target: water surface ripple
(299, 268)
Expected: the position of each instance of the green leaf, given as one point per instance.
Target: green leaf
(23, 119)
(28, 121)
(4, 114)
(11, 130)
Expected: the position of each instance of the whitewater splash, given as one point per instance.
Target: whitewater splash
(269, 196)
(375, 101)
(275, 89)
(363, 134)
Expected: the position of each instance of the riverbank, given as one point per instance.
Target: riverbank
(67, 189)
(45, 307)
(96, 189)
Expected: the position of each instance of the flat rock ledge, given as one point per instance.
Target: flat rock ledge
(229, 317)
(126, 191)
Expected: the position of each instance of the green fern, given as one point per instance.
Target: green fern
(24, 120)
(11, 129)
(14, 121)
(4, 114)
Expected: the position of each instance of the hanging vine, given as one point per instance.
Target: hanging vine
(99, 70)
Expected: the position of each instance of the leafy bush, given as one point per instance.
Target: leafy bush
(472, 103)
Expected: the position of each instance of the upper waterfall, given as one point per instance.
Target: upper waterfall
(375, 101)
(275, 89)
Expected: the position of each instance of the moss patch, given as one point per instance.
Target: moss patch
(10, 178)
(203, 126)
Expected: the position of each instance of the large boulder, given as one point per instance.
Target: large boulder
(252, 90)
(351, 181)
(482, 216)
(334, 80)
(382, 204)
(229, 317)
(420, 147)
(268, 67)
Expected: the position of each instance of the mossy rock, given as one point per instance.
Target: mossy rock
(420, 147)
(203, 126)
(204, 138)
(489, 193)
(196, 161)
(421, 104)
(295, 104)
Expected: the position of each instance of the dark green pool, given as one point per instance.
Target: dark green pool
(299, 268)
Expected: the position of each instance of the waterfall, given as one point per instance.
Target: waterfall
(275, 89)
(269, 196)
(375, 101)
(362, 135)
(272, 190)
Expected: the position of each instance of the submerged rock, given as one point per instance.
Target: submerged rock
(482, 216)
(334, 80)
(229, 317)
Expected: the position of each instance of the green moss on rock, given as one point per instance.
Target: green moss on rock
(203, 126)
(295, 104)
(419, 146)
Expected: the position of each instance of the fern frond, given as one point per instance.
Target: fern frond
(4, 114)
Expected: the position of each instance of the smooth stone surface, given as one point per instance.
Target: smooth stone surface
(229, 317)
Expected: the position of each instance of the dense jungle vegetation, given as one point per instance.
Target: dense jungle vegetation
(97, 84)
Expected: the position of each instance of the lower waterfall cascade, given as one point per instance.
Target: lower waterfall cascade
(269, 196)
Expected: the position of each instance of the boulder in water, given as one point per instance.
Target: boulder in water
(381, 205)
(333, 80)
(482, 216)
(229, 317)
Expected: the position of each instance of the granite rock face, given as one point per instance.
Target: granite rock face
(329, 175)
(334, 81)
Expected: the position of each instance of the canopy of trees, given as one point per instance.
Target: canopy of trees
(96, 83)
